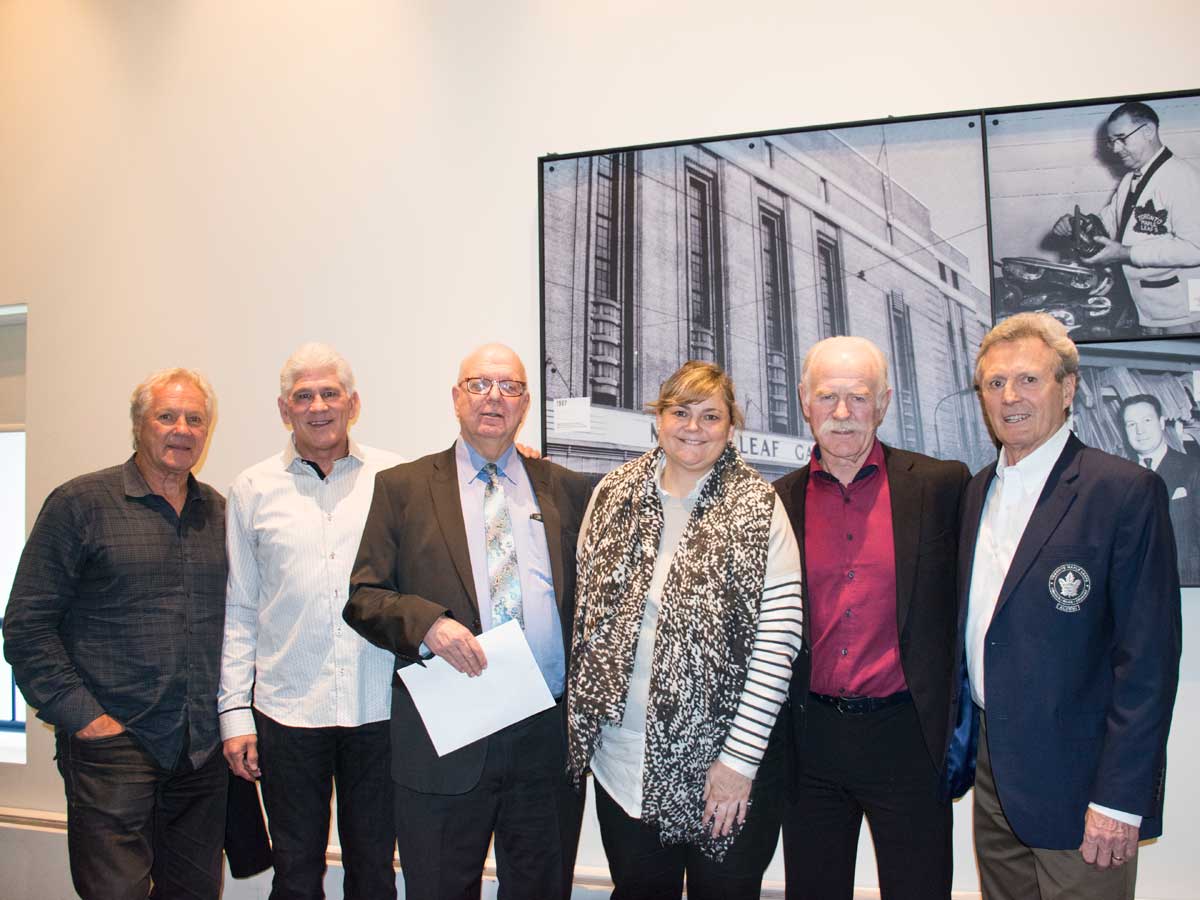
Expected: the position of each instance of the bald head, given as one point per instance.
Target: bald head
(846, 352)
(489, 354)
(844, 394)
(489, 418)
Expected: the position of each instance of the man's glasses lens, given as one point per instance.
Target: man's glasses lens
(1122, 138)
(484, 386)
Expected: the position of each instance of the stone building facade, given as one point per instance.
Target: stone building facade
(746, 252)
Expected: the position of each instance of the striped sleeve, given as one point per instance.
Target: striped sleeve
(776, 643)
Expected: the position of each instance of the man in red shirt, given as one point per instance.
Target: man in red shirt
(877, 529)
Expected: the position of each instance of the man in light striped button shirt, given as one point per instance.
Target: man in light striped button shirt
(304, 701)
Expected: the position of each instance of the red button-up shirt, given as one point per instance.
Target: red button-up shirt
(851, 574)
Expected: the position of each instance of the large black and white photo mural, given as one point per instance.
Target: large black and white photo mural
(746, 251)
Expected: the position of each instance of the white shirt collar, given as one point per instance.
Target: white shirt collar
(1033, 471)
(1141, 170)
(1156, 457)
(290, 455)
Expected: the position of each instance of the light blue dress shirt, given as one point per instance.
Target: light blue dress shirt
(543, 627)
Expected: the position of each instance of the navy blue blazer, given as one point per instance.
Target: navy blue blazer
(1081, 660)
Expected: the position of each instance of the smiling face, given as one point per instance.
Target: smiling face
(490, 421)
(1025, 404)
(173, 430)
(319, 411)
(844, 402)
(693, 435)
(1145, 429)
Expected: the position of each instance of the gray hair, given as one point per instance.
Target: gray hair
(314, 356)
(845, 342)
(1036, 325)
(139, 401)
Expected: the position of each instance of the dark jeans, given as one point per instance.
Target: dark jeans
(523, 796)
(643, 869)
(873, 763)
(299, 769)
(132, 824)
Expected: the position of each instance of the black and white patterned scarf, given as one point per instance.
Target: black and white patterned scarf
(709, 612)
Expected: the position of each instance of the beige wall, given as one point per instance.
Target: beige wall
(209, 183)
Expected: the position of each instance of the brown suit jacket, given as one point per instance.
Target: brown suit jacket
(413, 566)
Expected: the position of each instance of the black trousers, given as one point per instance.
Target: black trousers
(643, 869)
(874, 764)
(300, 766)
(523, 797)
(135, 829)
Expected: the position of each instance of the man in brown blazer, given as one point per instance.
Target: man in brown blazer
(456, 543)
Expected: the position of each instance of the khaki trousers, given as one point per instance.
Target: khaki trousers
(1009, 870)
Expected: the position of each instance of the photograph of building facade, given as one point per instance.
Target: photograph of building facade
(748, 251)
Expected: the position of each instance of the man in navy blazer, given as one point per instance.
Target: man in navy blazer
(1071, 620)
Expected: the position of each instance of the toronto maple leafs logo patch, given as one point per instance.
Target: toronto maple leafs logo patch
(1148, 220)
(1069, 587)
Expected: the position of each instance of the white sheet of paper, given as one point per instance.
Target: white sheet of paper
(458, 709)
(573, 414)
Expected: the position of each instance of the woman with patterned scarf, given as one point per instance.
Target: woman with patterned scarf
(688, 617)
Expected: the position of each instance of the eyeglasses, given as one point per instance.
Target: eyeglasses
(1112, 142)
(508, 388)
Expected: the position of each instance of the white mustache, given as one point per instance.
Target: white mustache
(849, 426)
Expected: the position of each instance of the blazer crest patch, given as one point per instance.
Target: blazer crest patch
(1069, 586)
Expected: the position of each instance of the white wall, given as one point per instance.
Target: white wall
(208, 184)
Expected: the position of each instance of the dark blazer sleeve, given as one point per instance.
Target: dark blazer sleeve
(378, 607)
(1145, 651)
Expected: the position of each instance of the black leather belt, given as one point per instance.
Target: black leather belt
(856, 706)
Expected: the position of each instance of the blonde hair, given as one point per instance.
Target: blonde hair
(695, 381)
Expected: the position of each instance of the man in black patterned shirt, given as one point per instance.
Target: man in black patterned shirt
(113, 632)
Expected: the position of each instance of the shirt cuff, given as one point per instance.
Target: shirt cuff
(236, 722)
(73, 712)
(1127, 818)
(738, 765)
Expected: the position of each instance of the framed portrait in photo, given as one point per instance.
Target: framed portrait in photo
(1095, 215)
(1137, 399)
